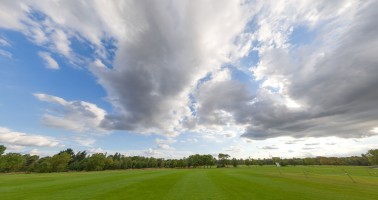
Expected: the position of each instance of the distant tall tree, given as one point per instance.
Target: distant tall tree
(208, 160)
(30, 162)
(117, 157)
(11, 162)
(77, 161)
(96, 162)
(194, 160)
(248, 162)
(234, 162)
(109, 163)
(126, 163)
(184, 162)
(152, 162)
(59, 162)
(69, 151)
(222, 159)
(2, 149)
(309, 161)
(372, 156)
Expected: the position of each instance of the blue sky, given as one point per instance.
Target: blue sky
(170, 79)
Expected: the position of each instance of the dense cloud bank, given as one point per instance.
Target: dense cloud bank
(174, 64)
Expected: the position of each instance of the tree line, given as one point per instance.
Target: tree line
(68, 160)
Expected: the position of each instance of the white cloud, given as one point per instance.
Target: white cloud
(41, 30)
(152, 153)
(189, 140)
(50, 98)
(85, 141)
(247, 140)
(374, 130)
(161, 153)
(5, 54)
(96, 150)
(149, 152)
(24, 139)
(11, 148)
(293, 141)
(4, 42)
(308, 148)
(38, 36)
(165, 144)
(34, 152)
(234, 149)
(49, 61)
(312, 144)
(61, 42)
(78, 116)
(15, 13)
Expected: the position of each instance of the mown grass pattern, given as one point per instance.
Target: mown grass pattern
(311, 182)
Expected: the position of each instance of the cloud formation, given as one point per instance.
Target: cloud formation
(5, 54)
(4, 42)
(158, 67)
(165, 144)
(49, 61)
(17, 139)
(175, 63)
(333, 80)
(269, 147)
(78, 116)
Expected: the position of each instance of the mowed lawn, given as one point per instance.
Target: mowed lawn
(324, 182)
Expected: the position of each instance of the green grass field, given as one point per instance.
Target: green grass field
(325, 182)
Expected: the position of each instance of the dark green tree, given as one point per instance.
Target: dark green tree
(372, 156)
(30, 162)
(77, 161)
(69, 151)
(223, 160)
(96, 162)
(2, 149)
(59, 162)
(234, 162)
(248, 162)
(11, 162)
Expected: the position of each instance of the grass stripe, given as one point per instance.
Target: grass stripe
(321, 182)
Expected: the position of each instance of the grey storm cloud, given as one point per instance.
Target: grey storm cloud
(228, 96)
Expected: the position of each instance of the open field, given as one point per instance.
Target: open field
(324, 182)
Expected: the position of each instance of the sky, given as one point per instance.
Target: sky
(170, 78)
